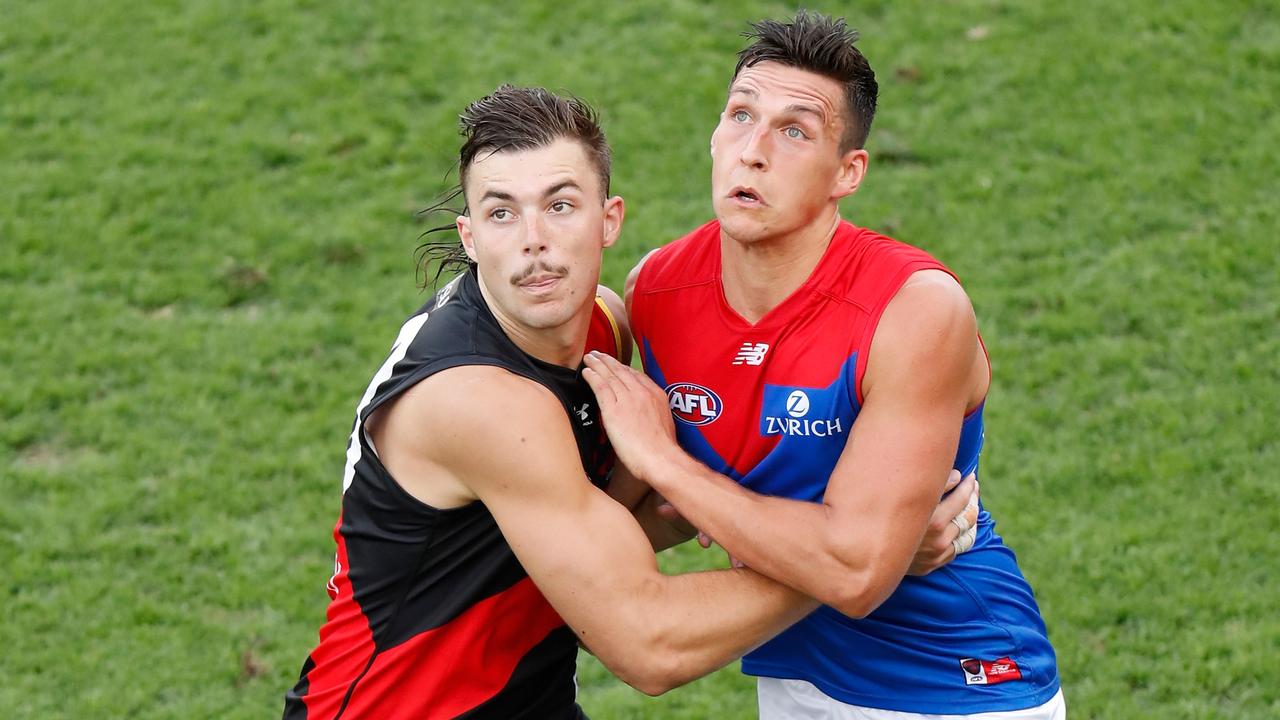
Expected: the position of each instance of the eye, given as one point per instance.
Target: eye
(795, 133)
(500, 214)
(741, 116)
(561, 206)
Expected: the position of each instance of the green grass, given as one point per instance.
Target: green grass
(207, 225)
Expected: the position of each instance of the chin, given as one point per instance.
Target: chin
(741, 228)
(547, 316)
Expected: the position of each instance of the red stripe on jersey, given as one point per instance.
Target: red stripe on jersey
(346, 643)
(467, 661)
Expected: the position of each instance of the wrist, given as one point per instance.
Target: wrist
(665, 467)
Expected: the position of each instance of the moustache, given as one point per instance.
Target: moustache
(537, 268)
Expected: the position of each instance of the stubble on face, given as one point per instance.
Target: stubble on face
(552, 191)
(778, 139)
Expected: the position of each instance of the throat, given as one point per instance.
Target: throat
(758, 277)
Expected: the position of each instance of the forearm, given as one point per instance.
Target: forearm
(791, 541)
(661, 531)
(710, 619)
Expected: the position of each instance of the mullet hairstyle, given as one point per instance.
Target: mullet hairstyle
(822, 45)
(510, 119)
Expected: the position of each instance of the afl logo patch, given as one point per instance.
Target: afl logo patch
(693, 404)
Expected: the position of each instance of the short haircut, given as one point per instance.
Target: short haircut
(522, 118)
(510, 119)
(823, 45)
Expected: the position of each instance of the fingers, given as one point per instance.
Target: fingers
(598, 380)
(954, 505)
(606, 375)
(952, 481)
(964, 542)
(704, 540)
(967, 518)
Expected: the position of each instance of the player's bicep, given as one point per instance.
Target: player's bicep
(577, 544)
(904, 440)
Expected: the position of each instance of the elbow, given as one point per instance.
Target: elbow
(856, 592)
(852, 601)
(653, 684)
(647, 655)
(650, 670)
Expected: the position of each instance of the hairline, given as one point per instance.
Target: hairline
(844, 111)
(489, 151)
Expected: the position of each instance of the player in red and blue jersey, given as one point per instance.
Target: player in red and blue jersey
(823, 377)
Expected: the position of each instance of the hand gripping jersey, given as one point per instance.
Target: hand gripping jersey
(771, 405)
(430, 614)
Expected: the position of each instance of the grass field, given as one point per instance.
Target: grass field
(207, 226)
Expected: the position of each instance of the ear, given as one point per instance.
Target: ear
(464, 233)
(614, 212)
(853, 167)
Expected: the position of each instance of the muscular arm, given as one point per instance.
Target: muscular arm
(636, 495)
(851, 550)
(505, 441)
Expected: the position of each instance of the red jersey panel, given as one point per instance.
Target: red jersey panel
(719, 369)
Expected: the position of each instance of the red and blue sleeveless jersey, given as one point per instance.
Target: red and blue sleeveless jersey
(771, 405)
(431, 615)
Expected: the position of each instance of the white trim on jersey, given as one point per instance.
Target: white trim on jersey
(408, 332)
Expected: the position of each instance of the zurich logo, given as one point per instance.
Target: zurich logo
(693, 404)
(797, 404)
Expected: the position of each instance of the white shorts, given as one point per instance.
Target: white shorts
(800, 700)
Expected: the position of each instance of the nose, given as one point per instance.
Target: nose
(753, 153)
(535, 235)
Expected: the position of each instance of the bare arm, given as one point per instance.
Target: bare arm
(634, 494)
(582, 549)
(851, 550)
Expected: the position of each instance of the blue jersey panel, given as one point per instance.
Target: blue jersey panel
(910, 654)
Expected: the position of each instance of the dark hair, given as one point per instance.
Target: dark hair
(512, 119)
(825, 46)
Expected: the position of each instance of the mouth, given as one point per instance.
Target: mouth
(540, 282)
(746, 196)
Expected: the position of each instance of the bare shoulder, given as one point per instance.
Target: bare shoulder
(930, 305)
(633, 277)
(436, 439)
(928, 330)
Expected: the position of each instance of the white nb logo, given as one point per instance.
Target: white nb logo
(751, 354)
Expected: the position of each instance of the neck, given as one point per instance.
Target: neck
(562, 345)
(758, 276)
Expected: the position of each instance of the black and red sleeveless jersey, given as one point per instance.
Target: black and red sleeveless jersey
(430, 613)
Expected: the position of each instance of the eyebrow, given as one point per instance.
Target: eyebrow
(566, 185)
(497, 195)
(793, 108)
(508, 197)
(809, 109)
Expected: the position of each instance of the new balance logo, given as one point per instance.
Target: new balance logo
(751, 354)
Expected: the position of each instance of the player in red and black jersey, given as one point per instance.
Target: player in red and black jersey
(431, 613)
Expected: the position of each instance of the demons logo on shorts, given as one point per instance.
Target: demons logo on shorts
(989, 672)
(693, 404)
